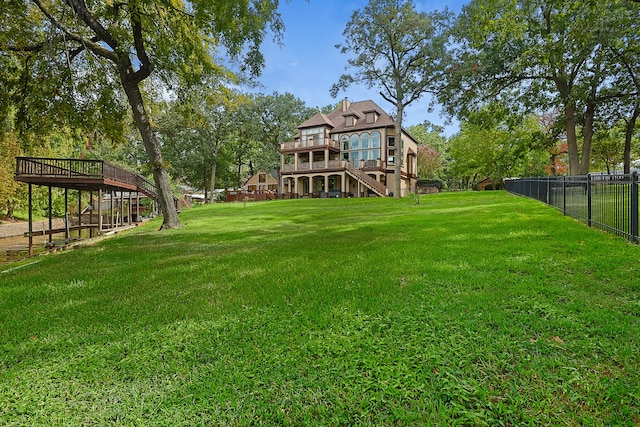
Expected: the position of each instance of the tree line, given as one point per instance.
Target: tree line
(150, 85)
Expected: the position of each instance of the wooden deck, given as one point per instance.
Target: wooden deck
(85, 176)
(89, 175)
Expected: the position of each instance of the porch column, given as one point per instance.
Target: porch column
(326, 159)
(326, 186)
(295, 161)
(343, 185)
(295, 187)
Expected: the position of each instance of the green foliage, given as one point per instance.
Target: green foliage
(90, 56)
(607, 149)
(547, 55)
(432, 147)
(493, 143)
(278, 117)
(9, 150)
(272, 314)
(398, 50)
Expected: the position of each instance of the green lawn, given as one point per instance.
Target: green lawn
(468, 309)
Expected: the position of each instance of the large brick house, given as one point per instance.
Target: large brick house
(350, 152)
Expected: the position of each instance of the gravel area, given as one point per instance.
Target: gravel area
(18, 228)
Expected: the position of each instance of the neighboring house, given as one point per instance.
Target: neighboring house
(261, 181)
(488, 184)
(261, 186)
(350, 152)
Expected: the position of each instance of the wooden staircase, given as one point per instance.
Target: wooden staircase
(377, 187)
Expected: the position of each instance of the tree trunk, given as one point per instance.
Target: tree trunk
(212, 187)
(397, 169)
(10, 209)
(585, 161)
(152, 148)
(572, 139)
(628, 137)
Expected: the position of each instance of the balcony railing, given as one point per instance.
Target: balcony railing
(316, 143)
(331, 164)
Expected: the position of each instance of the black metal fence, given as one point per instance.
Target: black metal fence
(608, 202)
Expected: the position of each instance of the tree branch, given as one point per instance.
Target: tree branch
(146, 66)
(94, 47)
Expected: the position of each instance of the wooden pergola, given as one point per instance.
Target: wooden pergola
(92, 176)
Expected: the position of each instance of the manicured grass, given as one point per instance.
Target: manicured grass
(468, 309)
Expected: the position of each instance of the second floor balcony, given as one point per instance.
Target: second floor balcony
(336, 164)
(304, 145)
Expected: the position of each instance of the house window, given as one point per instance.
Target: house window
(365, 146)
(350, 121)
(311, 135)
(354, 142)
(262, 177)
(371, 117)
(345, 142)
(364, 140)
(375, 139)
(391, 156)
(391, 141)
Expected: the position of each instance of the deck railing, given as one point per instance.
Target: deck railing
(81, 168)
(608, 202)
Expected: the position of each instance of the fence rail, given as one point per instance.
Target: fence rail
(608, 202)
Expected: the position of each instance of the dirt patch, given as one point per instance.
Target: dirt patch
(18, 228)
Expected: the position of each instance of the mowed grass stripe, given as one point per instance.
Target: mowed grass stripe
(469, 309)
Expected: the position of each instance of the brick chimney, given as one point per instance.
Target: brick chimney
(345, 104)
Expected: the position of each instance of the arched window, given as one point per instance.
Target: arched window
(344, 141)
(375, 139)
(364, 140)
(354, 142)
(365, 146)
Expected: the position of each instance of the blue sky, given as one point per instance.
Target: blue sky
(308, 63)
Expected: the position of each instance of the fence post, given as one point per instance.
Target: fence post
(589, 199)
(564, 195)
(634, 207)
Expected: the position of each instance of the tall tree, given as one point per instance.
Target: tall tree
(9, 149)
(195, 128)
(543, 54)
(126, 42)
(432, 144)
(495, 143)
(277, 118)
(398, 50)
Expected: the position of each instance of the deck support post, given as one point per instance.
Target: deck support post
(50, 217)
(111, 207)
(100, 195)
(30, 222)
(90, 214)
(121, 208)
(66, 214)
(79, 213)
